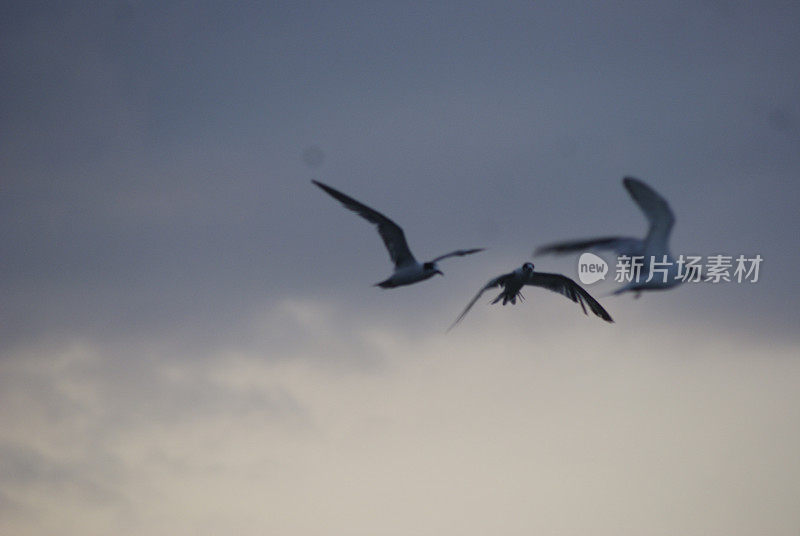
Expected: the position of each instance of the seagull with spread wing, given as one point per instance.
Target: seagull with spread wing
(406, 268)
(513, 282)
(653, 250)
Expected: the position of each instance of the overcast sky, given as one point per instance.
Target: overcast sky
(189, 339)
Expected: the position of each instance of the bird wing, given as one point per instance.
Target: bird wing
(655, 208)
(569, 288)
(622, 245)
(457, 253)
(496, 282)
(390, 232)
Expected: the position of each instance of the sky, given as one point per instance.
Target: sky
(190, 342)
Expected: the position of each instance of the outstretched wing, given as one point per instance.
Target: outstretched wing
(496, 282)
(457, 253)
(569, 288)
(655, 208)
(390, 232)
(621, 245)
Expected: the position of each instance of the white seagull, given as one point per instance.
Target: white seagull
(513, 282)
(406, 268)
(652, 251)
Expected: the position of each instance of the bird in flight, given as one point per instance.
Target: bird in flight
(406, 268)
(652, 250)
(513, 282)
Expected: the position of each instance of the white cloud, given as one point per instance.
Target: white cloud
(506, 426)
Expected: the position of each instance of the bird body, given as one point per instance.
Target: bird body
(406, 275)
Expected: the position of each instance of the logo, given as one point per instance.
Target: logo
(591, 268)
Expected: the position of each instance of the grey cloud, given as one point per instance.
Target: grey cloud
(79, 416)
(507, 412)
(93, 477)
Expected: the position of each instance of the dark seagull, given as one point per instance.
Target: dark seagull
(406, 268)
(513, 282)
(654, 247)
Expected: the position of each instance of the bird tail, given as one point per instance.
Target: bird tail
(508, 296)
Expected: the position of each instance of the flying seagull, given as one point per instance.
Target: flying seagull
(406, 268)
(652, 250)
(513, 282)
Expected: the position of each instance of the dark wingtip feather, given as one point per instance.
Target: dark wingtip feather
(629, 181)
(602, 313)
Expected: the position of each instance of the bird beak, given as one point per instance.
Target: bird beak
(438, 272)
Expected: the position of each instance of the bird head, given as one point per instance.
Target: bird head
(527, 267)
(431, 267)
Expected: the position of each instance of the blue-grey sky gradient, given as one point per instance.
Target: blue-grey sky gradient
(169, 272)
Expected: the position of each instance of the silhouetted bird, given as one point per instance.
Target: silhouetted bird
(406, 268)
(652, 251)
(513, 282)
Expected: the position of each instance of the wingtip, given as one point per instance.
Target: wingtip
(454, 324)
(603, 315)
(630, 182)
